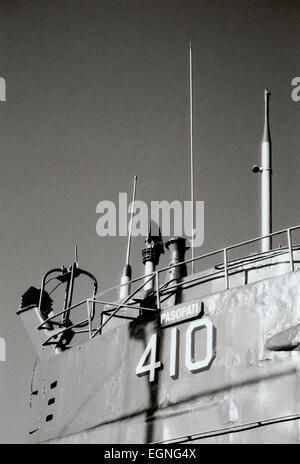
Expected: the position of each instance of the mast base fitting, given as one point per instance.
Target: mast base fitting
(151, 254)
(127, 272)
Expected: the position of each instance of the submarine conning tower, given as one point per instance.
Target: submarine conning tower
(218, 365)
(217, 361)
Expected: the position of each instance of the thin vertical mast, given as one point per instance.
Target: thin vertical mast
(76, 255)
(131, 219)
(192, 152)
(127, 273)
(266, 179)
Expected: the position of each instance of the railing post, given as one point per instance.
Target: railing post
(157, 290)
(290, 244)
(226, 269)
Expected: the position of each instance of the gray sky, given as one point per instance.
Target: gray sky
(97, 91)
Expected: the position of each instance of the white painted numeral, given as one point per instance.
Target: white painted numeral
(174, 348)
(149, 364)
(142, 368)
(191, 364)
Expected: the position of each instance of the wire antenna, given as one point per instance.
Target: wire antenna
(192, 154)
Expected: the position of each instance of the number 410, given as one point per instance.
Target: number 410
(191, 364)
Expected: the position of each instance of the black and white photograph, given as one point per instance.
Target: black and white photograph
(150, 224)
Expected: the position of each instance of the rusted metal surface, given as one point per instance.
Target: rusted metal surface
(99, 398)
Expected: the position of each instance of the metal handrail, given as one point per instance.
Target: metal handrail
(120, 306)
(156, 274)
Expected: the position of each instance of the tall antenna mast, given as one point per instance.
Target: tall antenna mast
(192, 153)
(127, 273)
(266, 179)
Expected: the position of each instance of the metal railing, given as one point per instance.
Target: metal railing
(223, 270)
